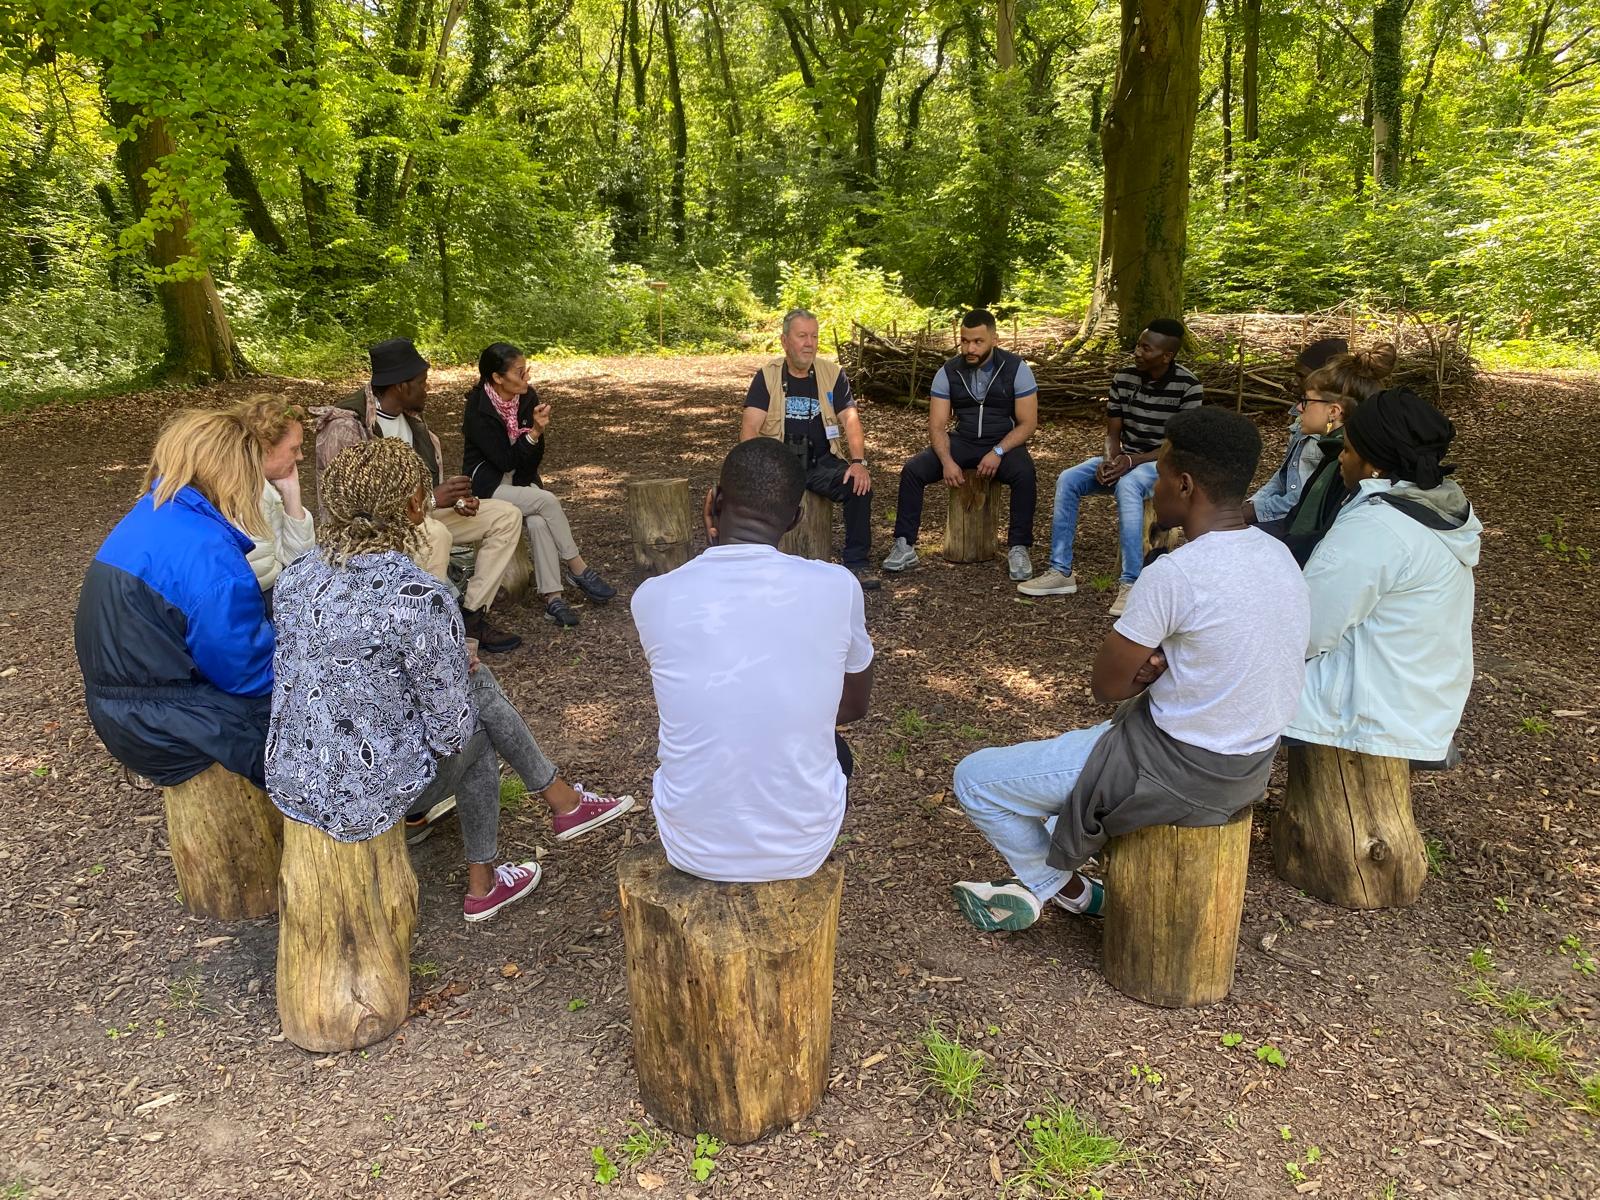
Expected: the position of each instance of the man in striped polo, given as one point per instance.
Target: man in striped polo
(1140, 403)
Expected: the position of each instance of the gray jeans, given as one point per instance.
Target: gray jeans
(473, 775)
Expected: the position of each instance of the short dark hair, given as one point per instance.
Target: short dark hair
(763, 476)
(1167, 327)
(496, 357)
(1220, 449)
(1321, 352)
(978, 316)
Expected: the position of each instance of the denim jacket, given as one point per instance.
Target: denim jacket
(1274, 498)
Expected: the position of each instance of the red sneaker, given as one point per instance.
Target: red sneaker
(512, 881)
(592, 812)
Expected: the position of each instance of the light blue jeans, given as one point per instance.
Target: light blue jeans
(1013, 793)
(1131, 490)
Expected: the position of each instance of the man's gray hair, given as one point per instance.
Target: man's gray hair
(797, 314)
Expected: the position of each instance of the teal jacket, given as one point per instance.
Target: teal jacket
(1390, 659)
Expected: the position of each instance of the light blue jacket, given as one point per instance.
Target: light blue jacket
(1274, 498)
(1390, 659)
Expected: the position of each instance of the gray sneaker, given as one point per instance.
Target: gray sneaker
(1120, 604)
(902, 558)
(1051, 583)
(1020, 565)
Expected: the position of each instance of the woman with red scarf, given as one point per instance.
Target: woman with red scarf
(502, 433)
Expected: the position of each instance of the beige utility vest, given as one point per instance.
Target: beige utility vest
(827, 374)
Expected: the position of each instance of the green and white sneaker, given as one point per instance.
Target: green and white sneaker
(1091, 904)
(1001, 905)
(902, 557)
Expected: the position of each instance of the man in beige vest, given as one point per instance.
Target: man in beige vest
(806, 403)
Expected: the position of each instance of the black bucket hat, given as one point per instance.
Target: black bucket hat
(395, 361)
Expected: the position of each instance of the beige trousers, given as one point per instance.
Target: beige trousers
(495, 529)
(549, 534)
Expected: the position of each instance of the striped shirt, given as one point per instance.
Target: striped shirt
(1145, 404)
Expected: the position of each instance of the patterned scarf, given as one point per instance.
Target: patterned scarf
(507, 408)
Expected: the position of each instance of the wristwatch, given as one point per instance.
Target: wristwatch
(998, 450)
(858, 462)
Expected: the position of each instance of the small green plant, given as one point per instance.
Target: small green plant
(98, 869)
(512, 791)
(1523, 1043)
(970, 733)
(577, 1003)
(605, 1171)
(706, 1149)
(1268, 1053)
(375, 1171)
(1533, 726)
(1390, 1191)
(1502, 905)
(1582, 961)
(184, 991)
(478, 1126)
(1286, 1133)
(950, 1067)
(992, 1031)
(641, 1143)
(1555, 542)
(1230, 1040)
(1144, 1074)
(1059, 1147)
(1295, 1172)
(125, 1031)
(897, 755)
(1512, 1120)
(1519, 1002)
(1102, 583)
(1481, 960)
(41, 772)
(424, 968)
(1437, 856)
(14, 1190)
(910, 723)
(1589, 1094)
(161, 1029)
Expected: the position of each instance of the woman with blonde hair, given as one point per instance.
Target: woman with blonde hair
(278, 425)
(381, 710)
(172, 633)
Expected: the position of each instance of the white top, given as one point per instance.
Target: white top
(290, 538)
(748, 649)
(1231, 612)
(397, 427)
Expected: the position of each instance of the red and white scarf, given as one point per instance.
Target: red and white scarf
(507, 408)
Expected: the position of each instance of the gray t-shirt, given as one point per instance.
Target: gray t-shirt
(1231, 612)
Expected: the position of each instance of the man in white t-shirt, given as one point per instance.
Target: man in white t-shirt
(755, 656)
(1209, 657)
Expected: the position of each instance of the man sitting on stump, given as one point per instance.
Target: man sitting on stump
(995, 401)
(1141, 402)
(806, 403)
(1207, 662)
(755, 656)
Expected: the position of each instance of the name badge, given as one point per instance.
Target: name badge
(831, 431)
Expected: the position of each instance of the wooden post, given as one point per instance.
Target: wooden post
(1345, 833)
(813, 537)
(1238, 399)
(661, 522)
(348, 910)
(1174, 896)
(731, 990)
(972, 520)
(226, 839)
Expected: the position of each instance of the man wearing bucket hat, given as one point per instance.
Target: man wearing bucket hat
(391, 405)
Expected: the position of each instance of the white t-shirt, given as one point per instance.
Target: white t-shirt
(397, 427)
(1231, 612)
(748, 650)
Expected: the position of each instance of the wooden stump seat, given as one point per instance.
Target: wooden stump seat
(1346, 833)
(519, 571)
(1167, 539)
(1174, 898)
(347, 912)
(813, 537)
(731, 990)
(661, 522)
(972, 521)
(226, 838)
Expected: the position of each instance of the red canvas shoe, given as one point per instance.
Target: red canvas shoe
(512, 881)
(592, 812)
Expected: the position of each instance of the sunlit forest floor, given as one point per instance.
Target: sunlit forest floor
(142, 1050)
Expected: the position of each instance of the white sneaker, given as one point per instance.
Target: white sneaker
(1018, 562)
(902, 557)
(1051, 583)
(1121, 602)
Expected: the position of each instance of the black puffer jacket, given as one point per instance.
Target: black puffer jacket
(487, 452)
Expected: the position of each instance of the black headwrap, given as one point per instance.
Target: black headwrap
(1400, 433)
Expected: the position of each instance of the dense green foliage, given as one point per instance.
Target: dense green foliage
(462, 170)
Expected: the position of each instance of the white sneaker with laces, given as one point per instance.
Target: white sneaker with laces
(1124, 590)
(1051, 583)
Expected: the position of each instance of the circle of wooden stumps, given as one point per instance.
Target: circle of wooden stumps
(1174, 898)
(731, 991)
(661, 523)
(226, 839)
(813, 536)
(1346, 833)
(972, 520)
(347, 913)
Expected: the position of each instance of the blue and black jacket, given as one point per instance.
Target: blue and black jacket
(174, 643)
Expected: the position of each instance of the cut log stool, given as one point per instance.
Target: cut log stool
(813, 537)
(226, 839)
(731, 991)
(661, 522)
(1174, 897)
(972, 520)
(348, 910)
(1167, 539)
(1346, 833)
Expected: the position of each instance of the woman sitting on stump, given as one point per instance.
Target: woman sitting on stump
(172, 632)
(1390, 655)
(502, 434)
(379, 710)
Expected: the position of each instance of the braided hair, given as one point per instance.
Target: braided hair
(366, 491)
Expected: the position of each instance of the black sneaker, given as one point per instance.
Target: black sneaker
(490, 639)
(559, 612)
(590, 584)
(864, 576)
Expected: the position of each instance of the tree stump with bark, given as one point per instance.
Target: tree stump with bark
(661, 522)
(1166, 539)
(226, 839)
(731, 991)
(519, 571)
(1346, 833)
(348, 910)
(972, 521)
(813, 537)
(1174, 897)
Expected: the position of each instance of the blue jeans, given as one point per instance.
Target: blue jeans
(1131, 490)
(1013, 793)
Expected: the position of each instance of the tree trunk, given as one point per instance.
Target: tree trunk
(661, 522)
(1388, 20)
(1252, 72)
(225, 839)
(813, 537)
(730, 987)
(1227, 107)
(1146, 136)
(972, 520)
(680, 127)
(1174, 897)
(1005, 34)
(1345, 833)
(346, 916)
(242, 186)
